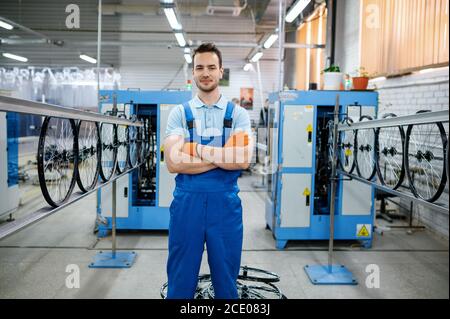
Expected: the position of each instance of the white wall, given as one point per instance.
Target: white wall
(402, 96)
(153, 68)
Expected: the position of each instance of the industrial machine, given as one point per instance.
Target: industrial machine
(9, 162)
(298, 201)
(143, 196)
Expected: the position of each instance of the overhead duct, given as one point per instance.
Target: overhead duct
(224, 9)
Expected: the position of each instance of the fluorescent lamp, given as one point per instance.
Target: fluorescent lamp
(172, 18)
(88, 58)
(187, 51)
(247, 67)
(15, 57)
(180, 39)
(270, 41)
(379, 79)
(256, 57)
(296, 9)
(188, 58)
(5, 25)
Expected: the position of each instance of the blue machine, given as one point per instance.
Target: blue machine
(9, 162)
(297, 206)
(141, 205)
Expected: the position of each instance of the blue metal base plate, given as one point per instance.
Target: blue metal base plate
(107, 260)
(321, 275)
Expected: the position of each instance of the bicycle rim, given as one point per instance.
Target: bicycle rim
(57, 159)
(425, 161)
(88, 158)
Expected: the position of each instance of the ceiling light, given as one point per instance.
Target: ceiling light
(296, 9)
(5, 25)
(270, 41)
(172, 18)
(15, 57)
(256, 57)
(247, 67)
(88, 58)
(188, 58)
(180, 39)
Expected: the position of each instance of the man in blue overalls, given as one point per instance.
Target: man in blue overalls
(206, 207)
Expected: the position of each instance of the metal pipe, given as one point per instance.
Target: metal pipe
(420, 118)
(10, 104)
(333, 184)
(19, 224)
(35, 33)
(281, 17)
(113, 219)
(99, 46)
(435, 206)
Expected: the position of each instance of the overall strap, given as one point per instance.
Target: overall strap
(189, 120)
(227, 122)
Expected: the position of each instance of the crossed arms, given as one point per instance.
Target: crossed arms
(186, 158)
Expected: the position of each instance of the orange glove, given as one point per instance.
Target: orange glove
(189, 148)
(239, 139)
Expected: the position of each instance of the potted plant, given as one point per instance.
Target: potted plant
(332, 78)
(361, 79)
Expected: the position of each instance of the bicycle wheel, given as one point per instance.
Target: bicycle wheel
(122, 148)
(346, 149)
(389, 144)
(264, 290)
(57, 159)
(425, 161)
(331, 157)
(255, 274)
(108, 154)
(133, 146)
(88, 155)
(365, 151)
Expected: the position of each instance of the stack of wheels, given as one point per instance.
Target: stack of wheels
(252, 283)
(426, 160)
(70, 153)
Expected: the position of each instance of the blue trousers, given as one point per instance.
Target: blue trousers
(214, 218)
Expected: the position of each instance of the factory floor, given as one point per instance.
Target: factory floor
(33, 262)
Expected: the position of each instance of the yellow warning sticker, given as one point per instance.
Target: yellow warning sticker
(363, 230)
(348, 152)
(309, 108)
(309, 128)
(306, 192)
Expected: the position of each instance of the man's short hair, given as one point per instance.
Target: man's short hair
(209, 47)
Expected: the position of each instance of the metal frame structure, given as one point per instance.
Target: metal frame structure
(421, 118)
(102, 260)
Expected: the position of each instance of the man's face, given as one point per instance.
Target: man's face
(207, 71)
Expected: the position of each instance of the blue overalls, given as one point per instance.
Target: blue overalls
(205, 208)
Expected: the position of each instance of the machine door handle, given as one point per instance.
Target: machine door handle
(307, 194)
(309, 137)
(125, 192)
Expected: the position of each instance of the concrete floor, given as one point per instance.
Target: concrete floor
(33, 261)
